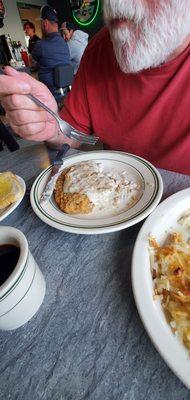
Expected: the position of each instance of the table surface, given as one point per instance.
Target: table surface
(87, 340)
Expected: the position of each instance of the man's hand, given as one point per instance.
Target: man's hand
(32, 62)
(25, 117)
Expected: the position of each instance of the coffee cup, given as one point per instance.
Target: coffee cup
(22, 285)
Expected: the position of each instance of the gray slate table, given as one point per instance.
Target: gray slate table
(87, 340)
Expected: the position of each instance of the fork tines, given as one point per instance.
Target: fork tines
(83, 138)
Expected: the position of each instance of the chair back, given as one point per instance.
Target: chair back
(63, 76)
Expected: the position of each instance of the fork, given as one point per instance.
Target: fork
(64, 127)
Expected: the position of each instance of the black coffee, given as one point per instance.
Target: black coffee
(9, 255)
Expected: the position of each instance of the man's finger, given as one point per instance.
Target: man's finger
(35, 132)
(29, 131)
(20, 117)
(9, 85)
(19, 101)
(22, 79)
(18, 82)
(15, 82)
(21, 76)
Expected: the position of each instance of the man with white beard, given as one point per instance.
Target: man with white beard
(131, 90)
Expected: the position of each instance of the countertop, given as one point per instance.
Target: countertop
(87, 340)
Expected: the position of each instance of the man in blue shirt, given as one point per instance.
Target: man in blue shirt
(51, 51)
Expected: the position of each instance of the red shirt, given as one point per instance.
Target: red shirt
(147, 114)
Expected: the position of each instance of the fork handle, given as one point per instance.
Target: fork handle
(39, 103)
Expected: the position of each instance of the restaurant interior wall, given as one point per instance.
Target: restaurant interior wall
(12, 21)
(65, 14)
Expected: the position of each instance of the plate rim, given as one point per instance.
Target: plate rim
(170, 201)
(106, 228)
(14, 205)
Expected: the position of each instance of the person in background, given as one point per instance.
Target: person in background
(29, 29)
(51, 51)
(131, 89)
(77, 41)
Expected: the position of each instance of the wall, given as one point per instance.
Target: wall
(12, 22)
(64, 14)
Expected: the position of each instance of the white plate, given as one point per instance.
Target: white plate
(8, 210)
(137, 169)
(162, 221)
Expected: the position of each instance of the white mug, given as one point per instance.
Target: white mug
(23, 291)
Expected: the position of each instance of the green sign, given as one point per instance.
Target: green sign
(84, 11)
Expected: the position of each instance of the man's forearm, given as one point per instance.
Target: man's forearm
(32, 62)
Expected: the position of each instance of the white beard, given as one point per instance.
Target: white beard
(156, 30)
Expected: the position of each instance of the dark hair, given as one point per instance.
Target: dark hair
(70, 26)
(48, 12)
(30, 24)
